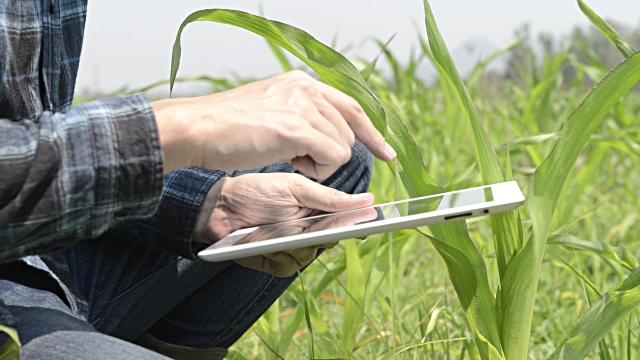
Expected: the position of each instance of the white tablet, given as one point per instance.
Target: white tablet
(398, 215)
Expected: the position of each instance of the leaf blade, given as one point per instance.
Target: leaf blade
(517, 296)
(610, 33)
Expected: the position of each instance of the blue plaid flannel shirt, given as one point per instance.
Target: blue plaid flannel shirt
(68, 174)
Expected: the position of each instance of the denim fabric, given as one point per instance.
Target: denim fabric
(70, 174)
(123, 289)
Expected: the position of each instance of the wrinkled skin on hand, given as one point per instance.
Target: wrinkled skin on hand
(287, 118)
(257, 199)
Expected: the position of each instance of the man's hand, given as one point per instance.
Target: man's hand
(291, 117)
(257, 199)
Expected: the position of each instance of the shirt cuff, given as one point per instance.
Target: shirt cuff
(173, 227)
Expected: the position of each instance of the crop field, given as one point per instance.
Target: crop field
(559, 278)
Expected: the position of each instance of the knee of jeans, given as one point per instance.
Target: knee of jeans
(35, 322)
(362, 156)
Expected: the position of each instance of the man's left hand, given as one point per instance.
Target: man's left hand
(265, 198)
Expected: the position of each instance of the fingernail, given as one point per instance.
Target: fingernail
(363, 196)
(389, 151)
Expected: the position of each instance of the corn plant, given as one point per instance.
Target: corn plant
(498, 301)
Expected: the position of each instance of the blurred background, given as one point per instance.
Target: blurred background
(128, 43)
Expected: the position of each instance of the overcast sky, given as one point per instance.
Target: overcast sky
(129, 42)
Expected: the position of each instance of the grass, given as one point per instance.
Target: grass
(557, 279)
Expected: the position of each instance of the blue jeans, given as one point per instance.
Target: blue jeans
(122, 290)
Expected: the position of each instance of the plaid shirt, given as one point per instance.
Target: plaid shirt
(69, 174)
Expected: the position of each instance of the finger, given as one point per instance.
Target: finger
(281, 264)
(307, 166)
(359, 122)
(315, 196)
(326, 153)
(303, 256)
(253, 262)
(330, 113)
(326, 126)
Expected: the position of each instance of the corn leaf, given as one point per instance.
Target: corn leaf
(596, 323)
(467, 269)
(481, 67)
(487, 159)
(356, 287)
(624, 47)
(335, 70)
(468, 274)
(581, 124)
(11, 348)
(287, 336)
(520, 283)
(505, 227)
(280, 55)
(268, 328)
(330, 65)
(393, 62)
(371, 67)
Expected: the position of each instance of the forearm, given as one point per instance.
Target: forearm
(68, 177)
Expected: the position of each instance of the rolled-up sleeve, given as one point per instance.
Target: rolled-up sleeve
(66, 177)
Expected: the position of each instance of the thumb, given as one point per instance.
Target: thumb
(319, 197)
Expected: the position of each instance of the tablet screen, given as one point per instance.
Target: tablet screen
(359, 216)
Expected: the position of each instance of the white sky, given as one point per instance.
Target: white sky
(128, 42)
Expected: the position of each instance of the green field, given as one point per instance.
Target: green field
(456, 292)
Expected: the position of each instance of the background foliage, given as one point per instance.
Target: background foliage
(456, 291)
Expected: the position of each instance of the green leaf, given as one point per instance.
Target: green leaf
(356, 287)
(505, 227)
(596, 323)
(334, 69)
(481, 67)
(268, 328)
(488, 161)
(284, 62)
(624, 47)
(280, 55)
(393, 62)
(520, 283)
(370, 68)
(468, 274)
(307, 317)
(581, 124)
(216, 84)
(287, 336)
(11, 349)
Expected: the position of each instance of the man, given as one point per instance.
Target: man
(97, 246)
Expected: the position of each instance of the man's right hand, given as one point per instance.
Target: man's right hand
(291, 117)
